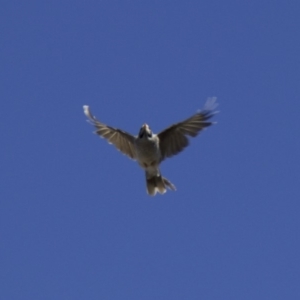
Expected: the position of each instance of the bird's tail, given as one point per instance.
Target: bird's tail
(157, 183)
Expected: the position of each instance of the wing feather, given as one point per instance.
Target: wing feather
(122, 140)
(174, 139)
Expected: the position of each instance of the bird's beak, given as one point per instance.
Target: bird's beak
(143, 129)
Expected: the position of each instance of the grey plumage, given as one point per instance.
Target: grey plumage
(122, 140)
(150, 149)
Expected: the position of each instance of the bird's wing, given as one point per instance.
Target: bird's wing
(174, 139)
(122, 140)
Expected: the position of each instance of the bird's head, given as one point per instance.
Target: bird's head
(145, 132)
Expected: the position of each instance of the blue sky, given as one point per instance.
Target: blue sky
(75, 219)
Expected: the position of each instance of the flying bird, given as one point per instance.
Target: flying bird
(150, 149)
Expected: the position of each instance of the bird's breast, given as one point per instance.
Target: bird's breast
(148, 153)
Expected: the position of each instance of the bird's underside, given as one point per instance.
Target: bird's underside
(150, 149)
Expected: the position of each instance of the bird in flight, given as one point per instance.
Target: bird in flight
(150, 149)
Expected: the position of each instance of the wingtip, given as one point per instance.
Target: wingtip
(210, 104)
(86, 110)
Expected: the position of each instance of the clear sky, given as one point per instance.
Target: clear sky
(75, 219)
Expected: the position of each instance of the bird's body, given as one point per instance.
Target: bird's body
(148, 156)
(150, 149)
(147, 151)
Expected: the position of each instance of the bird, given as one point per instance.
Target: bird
(150, 149)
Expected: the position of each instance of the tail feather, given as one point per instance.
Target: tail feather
(151, 186)
(158, 184)
(169, 184)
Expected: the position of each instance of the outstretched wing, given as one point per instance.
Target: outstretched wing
(174, 139)
(122, 140)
